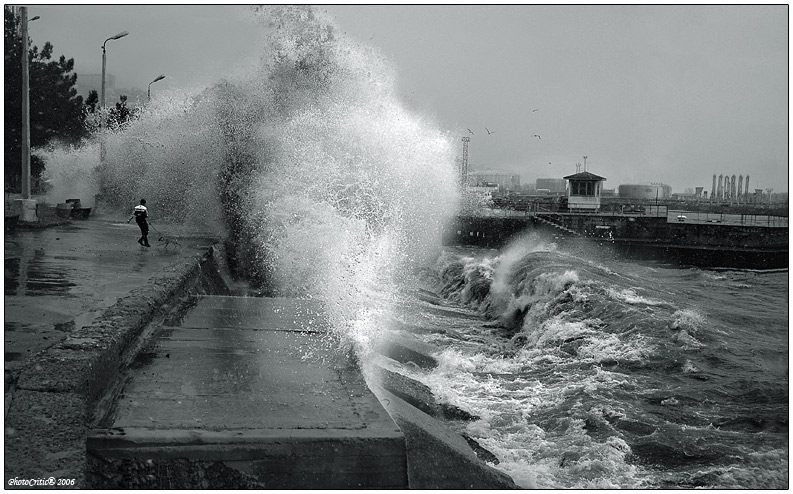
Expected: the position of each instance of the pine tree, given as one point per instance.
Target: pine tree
(90, 114)
(56, 111)
(119, 117)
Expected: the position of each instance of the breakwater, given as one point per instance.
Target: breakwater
(693, 243)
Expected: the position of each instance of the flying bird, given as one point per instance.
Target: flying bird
(534, 110)
(471, 131)
(537, 136)
(488, 131)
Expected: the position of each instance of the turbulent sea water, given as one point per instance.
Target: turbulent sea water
(583, 372)
(610, 374)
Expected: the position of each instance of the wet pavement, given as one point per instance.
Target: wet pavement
(323, 426)
(256, 384)
(61, 278)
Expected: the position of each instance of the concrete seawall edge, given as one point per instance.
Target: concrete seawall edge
(59, 398)
(54, 400)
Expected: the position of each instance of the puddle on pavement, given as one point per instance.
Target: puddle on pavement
(64, 326)
(24, 340)
(21, 327)
(15, 356)
(37, 277)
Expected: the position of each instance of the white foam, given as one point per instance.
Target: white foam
(511, 405)
(689, 320)
(630, 296)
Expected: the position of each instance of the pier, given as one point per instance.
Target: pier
(683, 237)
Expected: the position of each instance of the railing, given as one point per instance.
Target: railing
(660, 211)
(554, 216)
(499, 212)
(556, 220)
(729, 219)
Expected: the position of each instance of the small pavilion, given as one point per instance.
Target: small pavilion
(583, 191)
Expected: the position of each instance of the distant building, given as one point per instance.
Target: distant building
(135, 97)
(583, 192)
(645, 191)
(502, 180)
(608, 193)
(87, 82)
(684, 196)
(484, 190)
(552, 185)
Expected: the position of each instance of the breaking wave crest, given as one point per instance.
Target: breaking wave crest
(325, 185)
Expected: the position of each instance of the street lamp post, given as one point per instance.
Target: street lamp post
(159, 78)
(102, 102)
(104, 61)
(23, 14)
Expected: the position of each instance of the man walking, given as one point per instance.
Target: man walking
(140, 214)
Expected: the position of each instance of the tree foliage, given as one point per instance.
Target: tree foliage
(92, 101)
(56, 111)
(119, 118)
(116, 119)
(90, 113)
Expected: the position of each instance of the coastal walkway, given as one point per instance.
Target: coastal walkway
(76, 296)
(140, 367)
(247, 393)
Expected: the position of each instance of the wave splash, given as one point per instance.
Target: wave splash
(324, 183)
(539, 297)
(586, 375)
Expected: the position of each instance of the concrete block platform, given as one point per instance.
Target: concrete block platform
(244, 393)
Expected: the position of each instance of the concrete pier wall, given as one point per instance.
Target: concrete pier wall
(704, 244)
(490, 232)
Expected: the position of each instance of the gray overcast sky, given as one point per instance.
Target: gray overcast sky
(648, 92)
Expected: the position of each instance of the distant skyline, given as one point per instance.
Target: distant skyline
(650, 93)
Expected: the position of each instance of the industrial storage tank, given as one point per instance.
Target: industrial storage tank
(645, 191)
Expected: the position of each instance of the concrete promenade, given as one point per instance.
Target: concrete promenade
(75, 296)
(247, 392)
(130, 367)
(61, 278)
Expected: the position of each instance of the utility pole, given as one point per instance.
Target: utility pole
(464, 164)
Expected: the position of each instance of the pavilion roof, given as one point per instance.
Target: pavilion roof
(586, 176)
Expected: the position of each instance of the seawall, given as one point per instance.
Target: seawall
(701, 244)
(75, 382)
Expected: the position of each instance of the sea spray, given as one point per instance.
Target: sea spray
(323, 183)
(170, 156)
(69, 173)
(356, 187)
(610, 388)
